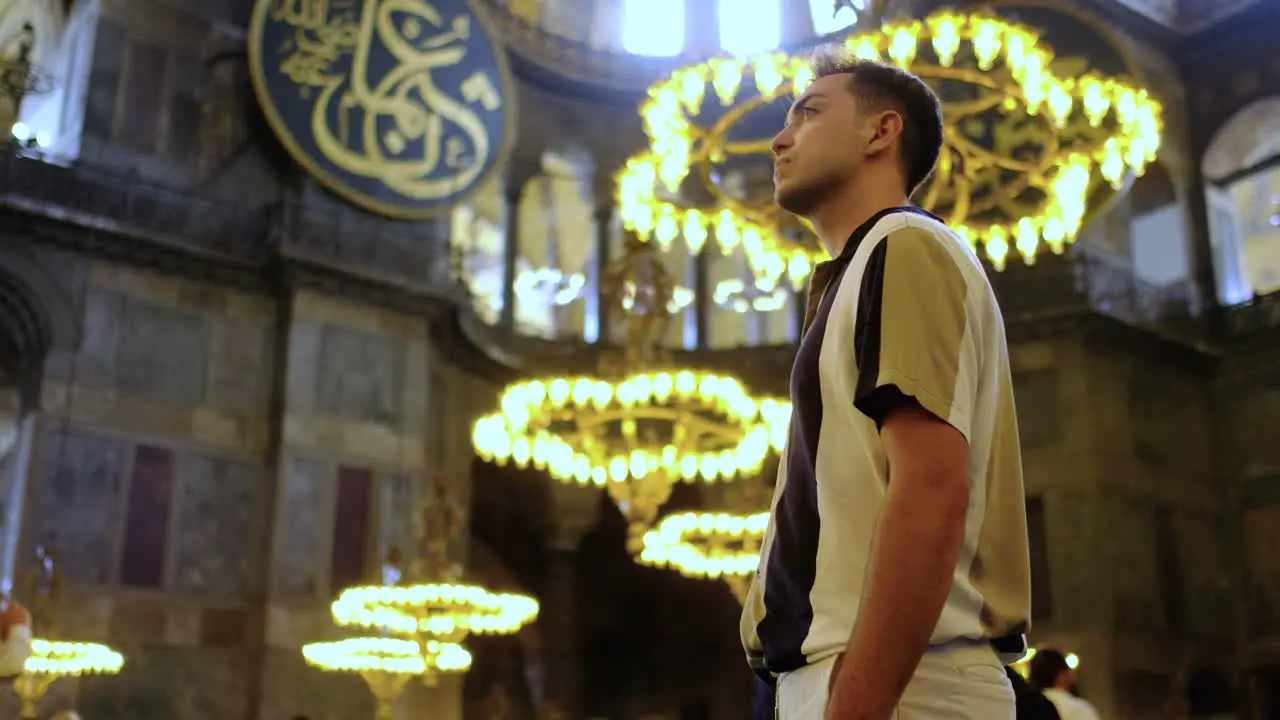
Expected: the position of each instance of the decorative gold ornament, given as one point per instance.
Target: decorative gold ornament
(444, 612)
(387, 664)
(51, 661)
(721, 546)
(1053, 140)
(640, 425)
(392, 659)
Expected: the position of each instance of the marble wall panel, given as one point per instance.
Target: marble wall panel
(239, 366)
(302, 375)
(360, 376)
(396, 512)
(95, 365)
(217, 512)
(301, 543)
(163, 353)
(1038, 396)
(78, 502)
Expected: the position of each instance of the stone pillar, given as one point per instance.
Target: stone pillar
(1197, 214)
(605, 207)
(576, 510)
(702, 29)
(797, 21)
(702, 297)
(519, 171)
(15, 460)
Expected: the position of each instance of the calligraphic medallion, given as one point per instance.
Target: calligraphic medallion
(402, 107)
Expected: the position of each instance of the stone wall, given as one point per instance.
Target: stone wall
(1116, 433)
(212, 466)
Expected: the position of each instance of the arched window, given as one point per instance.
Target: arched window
(653, 27)
(834, 15)
(750, 26)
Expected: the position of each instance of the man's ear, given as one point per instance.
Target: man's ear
(885, 129)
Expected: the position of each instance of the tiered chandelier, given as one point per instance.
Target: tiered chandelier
(420, 626)
(1024, 149)
(641, 424)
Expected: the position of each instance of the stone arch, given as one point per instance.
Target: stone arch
(1235, 143)
(1154, 190)
(37, 315)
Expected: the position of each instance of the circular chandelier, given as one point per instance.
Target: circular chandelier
(448, 612)
(52, 660)
(387, 664)
(1024, 149)
(635, 435)
(642, 424)
(709, 545)
(393, 656)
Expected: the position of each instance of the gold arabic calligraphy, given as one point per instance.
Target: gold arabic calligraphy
(364, 143)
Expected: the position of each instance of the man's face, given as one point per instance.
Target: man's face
(821, 147)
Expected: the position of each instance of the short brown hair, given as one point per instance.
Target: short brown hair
(888, 87)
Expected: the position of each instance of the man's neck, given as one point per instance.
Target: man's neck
(847, 211)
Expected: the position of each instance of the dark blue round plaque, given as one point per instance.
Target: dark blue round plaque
(402, 107)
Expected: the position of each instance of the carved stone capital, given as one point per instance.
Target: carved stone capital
(521, 168)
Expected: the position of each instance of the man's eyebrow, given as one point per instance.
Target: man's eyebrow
(804, 100)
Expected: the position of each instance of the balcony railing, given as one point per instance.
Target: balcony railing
(130, 207)
(1259, 314)
(128, 210)
(1084, 282)
(133, 214)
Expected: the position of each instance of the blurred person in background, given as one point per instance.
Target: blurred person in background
(1051, 675)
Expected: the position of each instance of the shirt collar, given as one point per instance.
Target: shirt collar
(851, 245)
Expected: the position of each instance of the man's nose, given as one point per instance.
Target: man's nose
(781, 141)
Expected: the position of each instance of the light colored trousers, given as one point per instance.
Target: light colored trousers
(961, 681)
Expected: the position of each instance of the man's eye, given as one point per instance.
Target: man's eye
(807, 111)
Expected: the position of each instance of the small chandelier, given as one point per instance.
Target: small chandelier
(724, 546)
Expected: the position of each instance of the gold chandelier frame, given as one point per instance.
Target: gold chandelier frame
(1092, 129)
(723, 546)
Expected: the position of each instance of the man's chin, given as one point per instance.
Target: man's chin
(794, 200)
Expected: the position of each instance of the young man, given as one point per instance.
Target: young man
(894, 575)
(1051, 675)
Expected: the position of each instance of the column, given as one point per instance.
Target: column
(1197, 209)
(702, 28)
(518, 173)
(702, 296)
(602, 188)
(15, 462)
(797, 21)
(576, 510)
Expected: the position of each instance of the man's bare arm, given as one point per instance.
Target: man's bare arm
(917, 542)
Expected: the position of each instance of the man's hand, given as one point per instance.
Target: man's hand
(913, 558)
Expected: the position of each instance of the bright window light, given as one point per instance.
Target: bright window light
(748, 27)
(834, 15)
(653, 27)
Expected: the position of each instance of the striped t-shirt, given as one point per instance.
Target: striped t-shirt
(904, 313)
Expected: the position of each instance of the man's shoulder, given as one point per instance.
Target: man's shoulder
(908, 227)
